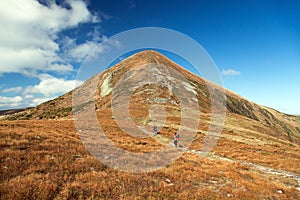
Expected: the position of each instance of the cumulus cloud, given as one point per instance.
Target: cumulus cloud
(28, 96)
(97, 45)
(61, 68)
(230, 72)
(50, 86)
(79, 52)
(30, 39)
(10, 101)
(37, 39)
(38, 101)
(13, 90)
(34, 42)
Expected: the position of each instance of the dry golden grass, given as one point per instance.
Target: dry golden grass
(45, 159)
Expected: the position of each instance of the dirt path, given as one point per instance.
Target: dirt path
(256, 167)
(275, 173)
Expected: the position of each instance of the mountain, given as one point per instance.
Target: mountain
(272, 122)
(47, 151)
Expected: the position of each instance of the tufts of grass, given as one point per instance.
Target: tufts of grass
(45, 159)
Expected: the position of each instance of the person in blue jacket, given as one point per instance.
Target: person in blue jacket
(155, 130)
(176, 139)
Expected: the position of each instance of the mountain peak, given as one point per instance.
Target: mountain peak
(149, 56)
(149, 53)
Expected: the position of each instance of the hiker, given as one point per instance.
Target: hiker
(155, 130)
(176, 139)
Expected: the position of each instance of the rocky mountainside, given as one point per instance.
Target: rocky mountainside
(276, 123)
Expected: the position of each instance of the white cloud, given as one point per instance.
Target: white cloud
(58, 67)
(34, 43)
(230, 72)
(97, 45)
(104, 46)
(28, 96)
(29, 36)
(38, 101)
(79, 52)
(10, 101)
(14, 90)
(50, 86)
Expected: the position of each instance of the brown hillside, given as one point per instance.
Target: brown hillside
(280, 125)
(256, 157)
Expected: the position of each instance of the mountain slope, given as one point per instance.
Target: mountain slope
(248, 127)
(280, 125)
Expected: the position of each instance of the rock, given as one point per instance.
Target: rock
(280, 191)
(168, 180)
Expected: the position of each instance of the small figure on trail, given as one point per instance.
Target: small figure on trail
(176, 139)
(155, 130)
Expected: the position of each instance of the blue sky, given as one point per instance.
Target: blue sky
(255, 44)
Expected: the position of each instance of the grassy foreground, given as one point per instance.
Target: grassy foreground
(45, 159)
